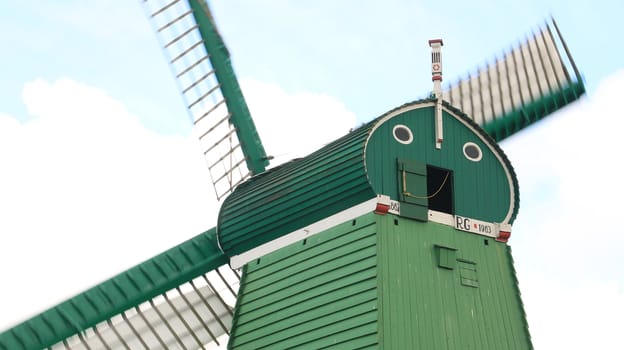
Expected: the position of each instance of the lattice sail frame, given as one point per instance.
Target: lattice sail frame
(195, 315)
(201, 65)
(529, 82)
(181, 298)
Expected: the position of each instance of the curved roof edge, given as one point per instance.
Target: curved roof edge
(499, 150)
(482, 132)
(295, 194)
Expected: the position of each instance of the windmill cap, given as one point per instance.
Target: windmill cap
(435, 41)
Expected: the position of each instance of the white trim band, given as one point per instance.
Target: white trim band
(237, 261)
(465, 224)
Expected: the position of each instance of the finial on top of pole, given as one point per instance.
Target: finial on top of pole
(436, 66)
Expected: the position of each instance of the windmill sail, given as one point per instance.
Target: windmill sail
(201, 65)
(182, 298)
(528, 83)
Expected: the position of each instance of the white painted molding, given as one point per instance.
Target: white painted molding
(237, 261)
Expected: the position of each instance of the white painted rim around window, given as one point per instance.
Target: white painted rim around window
(409, 133)
(472, 144)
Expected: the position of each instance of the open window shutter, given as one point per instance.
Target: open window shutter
(413, 189)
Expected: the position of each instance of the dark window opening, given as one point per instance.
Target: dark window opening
(402, 134)
(440, 189)
(472, 151)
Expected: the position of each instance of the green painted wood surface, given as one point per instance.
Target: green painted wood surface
(151, 278)
(320, 292)
(355, 168)
(427, 306)
(482, 189)
(295, 194)
(412, 188)
(378, 281)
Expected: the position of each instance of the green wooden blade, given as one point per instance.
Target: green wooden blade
(201, 65)
(182, 296)
(530, 82)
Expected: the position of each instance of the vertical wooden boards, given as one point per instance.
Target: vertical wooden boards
(412, 179)
(429, 302)
(483, 189)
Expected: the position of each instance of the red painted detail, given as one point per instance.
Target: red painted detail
(436, 67)
(440, 140)
(435, 41)
(436, 77)
(475, 225)
(382, 209)
(503, 236)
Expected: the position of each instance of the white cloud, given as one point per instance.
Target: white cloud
(587, 315)
(293, 125)
(87, 191)
(568, 237)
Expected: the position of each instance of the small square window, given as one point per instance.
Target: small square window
(446, 257)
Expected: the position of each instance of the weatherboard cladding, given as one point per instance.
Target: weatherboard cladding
(377, 282)
(151, 278)
(317, 293)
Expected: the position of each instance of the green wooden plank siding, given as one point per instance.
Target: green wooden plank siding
(295, 194)
(320, 292)
(126, 290)
(482, 190)
(425, 306)
(377, 282)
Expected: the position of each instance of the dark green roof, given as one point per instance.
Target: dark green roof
(295, 194)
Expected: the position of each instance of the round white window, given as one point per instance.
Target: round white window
(402, 134)
(472, 151)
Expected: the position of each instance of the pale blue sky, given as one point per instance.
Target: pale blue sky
(367, 56)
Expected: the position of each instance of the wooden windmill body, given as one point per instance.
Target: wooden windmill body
(393, 236)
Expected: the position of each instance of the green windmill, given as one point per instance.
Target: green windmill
(392, 236)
